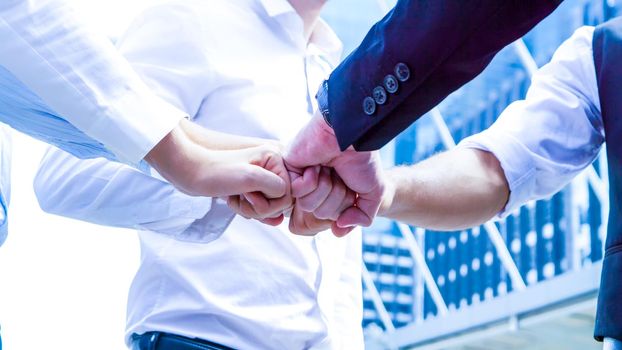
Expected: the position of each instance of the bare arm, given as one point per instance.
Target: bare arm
(454, 190)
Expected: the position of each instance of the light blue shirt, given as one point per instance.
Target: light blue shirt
(81, 77)
(5, 180)
(24, 111)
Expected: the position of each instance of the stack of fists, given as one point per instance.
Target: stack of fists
(320, 186)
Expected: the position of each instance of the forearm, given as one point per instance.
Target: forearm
(457, 189)
(219, 141)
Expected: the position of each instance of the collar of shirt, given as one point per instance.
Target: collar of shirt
(323, 42)
(238, 70)
(275, 8)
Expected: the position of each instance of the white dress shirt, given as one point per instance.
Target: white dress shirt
(544, 141)
(81, 77)
(242, 67)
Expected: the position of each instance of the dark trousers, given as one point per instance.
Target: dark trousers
(165, 341)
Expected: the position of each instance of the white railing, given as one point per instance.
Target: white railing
(575, 209)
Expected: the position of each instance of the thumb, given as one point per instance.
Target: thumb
(261, 180)
(306, 183)
(351, 217)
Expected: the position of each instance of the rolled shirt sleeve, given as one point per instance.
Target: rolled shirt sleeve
(81, 76)
(544, 141)
(98, 191)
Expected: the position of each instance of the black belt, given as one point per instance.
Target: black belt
(165, 341)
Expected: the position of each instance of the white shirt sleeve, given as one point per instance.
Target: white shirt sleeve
(544, 141)
(99, 191)
(80, 75)
(113, 194)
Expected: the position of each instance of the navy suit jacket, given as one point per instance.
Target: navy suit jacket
(443, 44)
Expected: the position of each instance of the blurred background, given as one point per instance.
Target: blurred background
(527, 282)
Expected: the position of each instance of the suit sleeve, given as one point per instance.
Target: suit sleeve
(426, 49)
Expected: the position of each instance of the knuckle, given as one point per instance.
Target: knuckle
(323, 214)
(304, 204)
(269, 150)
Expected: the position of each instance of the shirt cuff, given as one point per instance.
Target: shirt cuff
(135, 124)
(182, 212)
(518, 168)
(210, 226)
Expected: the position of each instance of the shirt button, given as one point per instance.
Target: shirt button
(369, 106)
(391, 84)
(380, 95)
(402, 72)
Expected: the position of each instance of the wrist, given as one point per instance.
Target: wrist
(326, 137)
(388, 198)
(170, 157)
(161, 154)
(322, 103)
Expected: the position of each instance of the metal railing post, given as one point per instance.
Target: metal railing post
(377, 300)
(417, 255)
(502, 250)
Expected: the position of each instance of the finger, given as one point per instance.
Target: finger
(267, 208)
(349, 201)
(335, 202)
(293, 170)
(247, 210)
(307, 183)
(280, 205)
(365, 210)
(257, 179)
(353, 216)
(297, 225)
(305, 224)
(276, 221)
(340, 231)
(369, 203)
(260, 204)
(234, 203)
(311, 201)
(295, 176)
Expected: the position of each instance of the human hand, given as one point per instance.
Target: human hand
(198, 171)
(255, 205)
(361, 172)
(319, 210)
